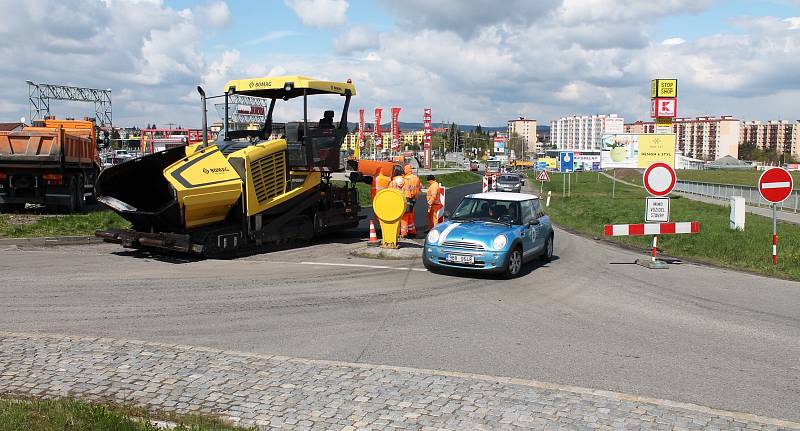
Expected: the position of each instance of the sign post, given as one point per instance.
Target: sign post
(775, 185)
(659, 180)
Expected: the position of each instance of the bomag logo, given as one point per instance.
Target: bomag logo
(260, 84)
(221, 170)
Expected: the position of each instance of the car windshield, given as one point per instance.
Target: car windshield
(491, 210)
(508, 179)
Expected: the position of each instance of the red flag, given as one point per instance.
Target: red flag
(361, 128)
(426, 127)
(378, 134)
(395, 128)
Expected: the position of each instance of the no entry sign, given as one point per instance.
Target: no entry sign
(659, 179)
(775, 185)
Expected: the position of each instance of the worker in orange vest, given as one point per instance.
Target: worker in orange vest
(434, 201)
(379, 182)
(411, 190)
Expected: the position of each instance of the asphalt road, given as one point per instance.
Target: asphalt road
(589, 318)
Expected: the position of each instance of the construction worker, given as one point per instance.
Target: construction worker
(412, 188)
(434, 201)
(379, 182)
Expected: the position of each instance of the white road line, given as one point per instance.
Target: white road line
(358, 265)
(775, 185)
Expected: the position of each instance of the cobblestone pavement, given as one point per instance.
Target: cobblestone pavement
(292, 393)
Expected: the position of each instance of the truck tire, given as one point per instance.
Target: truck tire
(73, 201)
(92, 199)
(79, 200)
(12, 208)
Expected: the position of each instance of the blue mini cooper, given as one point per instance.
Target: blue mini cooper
(491, 232)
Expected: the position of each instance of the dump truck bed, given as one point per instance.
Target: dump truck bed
(48, 145)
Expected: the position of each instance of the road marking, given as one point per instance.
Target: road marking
(358, 265)
(775, 185)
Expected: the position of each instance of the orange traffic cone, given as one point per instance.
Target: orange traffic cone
(373, 237)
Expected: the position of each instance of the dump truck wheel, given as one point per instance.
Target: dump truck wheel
(12, 208)
(79, 200)
(73, 201)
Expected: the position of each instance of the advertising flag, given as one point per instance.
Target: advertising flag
(378, 134)
(395, 128)
(426, 127)
(361, 128)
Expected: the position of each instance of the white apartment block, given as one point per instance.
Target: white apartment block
(584, 132)
(704, 138)
(525, 128)
(779, 135)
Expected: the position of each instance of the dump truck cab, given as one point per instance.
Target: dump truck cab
(245, 189)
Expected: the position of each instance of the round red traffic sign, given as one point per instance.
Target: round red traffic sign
(659, 179)
(775, 185)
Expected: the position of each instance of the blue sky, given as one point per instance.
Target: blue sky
(470, 61)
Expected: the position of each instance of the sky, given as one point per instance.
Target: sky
(470, 61)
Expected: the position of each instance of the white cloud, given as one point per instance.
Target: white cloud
(673, 41)
(356, 38)
(271, 36)
(147, 53)
(320, 13)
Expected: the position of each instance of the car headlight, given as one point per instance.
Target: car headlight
(433, 236)
(499, 242)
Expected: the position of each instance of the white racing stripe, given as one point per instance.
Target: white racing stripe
(447, 232)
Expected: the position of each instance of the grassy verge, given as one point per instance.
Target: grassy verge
(746, 178)
(25, 225)
(591, 206)
(68, 415)
(456, 179)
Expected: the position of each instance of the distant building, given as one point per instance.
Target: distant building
(583, 132)
(779, 135)
(525, 128)
(705, 138)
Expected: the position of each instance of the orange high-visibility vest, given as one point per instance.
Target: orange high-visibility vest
(381, 182)
(433, 194)
(412, 186)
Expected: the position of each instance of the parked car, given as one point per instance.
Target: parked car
(474, 165)
(508, 183)
(491, 232)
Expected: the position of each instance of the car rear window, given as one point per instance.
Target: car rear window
(508, 178)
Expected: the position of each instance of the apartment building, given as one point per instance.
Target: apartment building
(705, 138)
(525, 128)
(780, 135)
(583, 132)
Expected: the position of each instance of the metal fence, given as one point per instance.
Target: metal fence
(726, 191)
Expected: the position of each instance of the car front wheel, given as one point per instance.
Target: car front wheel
(513, 263)
(547, 254)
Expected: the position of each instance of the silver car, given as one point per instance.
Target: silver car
(509, 183)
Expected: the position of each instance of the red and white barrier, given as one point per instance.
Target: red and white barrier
(774, 249)
(485, 184)
(651, 228)
(440, 214)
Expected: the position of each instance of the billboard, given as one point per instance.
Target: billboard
(426, 143)
(663, 88)
(500, 144)
(550, 162)
(637, 150)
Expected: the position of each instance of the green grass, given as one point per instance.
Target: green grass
(748, 178)
(456, 179)
(591, 207)
(67, 225)
(69, 415)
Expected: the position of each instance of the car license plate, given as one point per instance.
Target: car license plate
(457, 258)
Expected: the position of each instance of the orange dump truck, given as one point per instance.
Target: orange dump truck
(54, 163)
